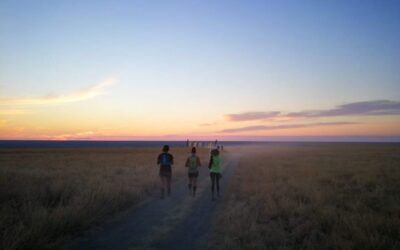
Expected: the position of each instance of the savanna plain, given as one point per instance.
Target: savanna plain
(282, 195)
(49, 196)
(313, 196)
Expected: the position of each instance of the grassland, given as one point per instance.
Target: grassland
(313, 196)
(50, 195)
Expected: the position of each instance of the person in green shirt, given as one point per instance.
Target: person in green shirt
(193, 163)
(215, 171)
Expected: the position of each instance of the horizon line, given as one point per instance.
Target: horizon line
(376, 138)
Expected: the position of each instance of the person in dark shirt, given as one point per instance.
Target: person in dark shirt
(165, 160)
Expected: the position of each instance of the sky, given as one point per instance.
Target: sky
(172, 70)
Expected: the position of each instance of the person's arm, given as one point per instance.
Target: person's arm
(210, 163)
(187, 162)
(172, 159)
(158, 160)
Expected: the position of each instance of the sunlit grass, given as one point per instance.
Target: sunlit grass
(50, 195)
(313, 196)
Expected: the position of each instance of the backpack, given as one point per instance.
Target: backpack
(165, 159)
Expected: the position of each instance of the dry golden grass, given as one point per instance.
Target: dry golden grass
(49, 195)
(313, 196)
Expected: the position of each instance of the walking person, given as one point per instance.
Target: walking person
(165, 160)
(215, 171)
(193, 163)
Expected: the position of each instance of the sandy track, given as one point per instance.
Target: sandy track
(177, 222)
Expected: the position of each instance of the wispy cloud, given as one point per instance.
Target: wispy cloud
(208, 124)
(367, 108)
(13, 112)
(85, 135)
(247, 116)
(284, 126)
(93, 91)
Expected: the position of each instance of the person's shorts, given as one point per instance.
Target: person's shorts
(193, 175)
(165, 172)
(215, 175)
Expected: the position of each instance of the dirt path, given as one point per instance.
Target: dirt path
(177, 222)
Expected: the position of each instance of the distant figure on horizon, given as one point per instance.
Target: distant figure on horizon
(165, 160)
(215, 171)
(193, 163)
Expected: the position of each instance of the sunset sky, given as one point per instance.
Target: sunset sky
(171, 70)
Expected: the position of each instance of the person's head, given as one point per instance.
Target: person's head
(193, 150)
(165, 148)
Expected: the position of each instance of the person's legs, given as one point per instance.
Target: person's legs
(169, 184)
(217, 177)
(194, 182)
(190, 182)
(162, 179)
(213, 177)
